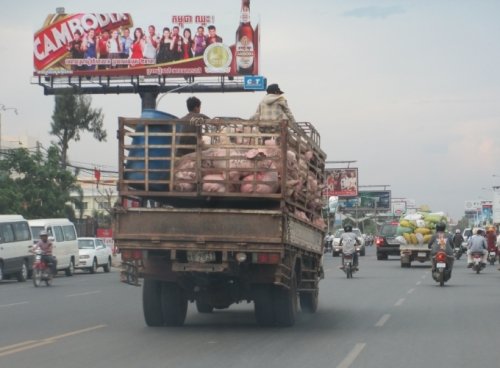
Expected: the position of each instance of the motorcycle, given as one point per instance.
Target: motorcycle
(328, 246)
(477, 262)
(458, 251)
(41, 270)
(441, 271)
(492, 257)
(348, 265)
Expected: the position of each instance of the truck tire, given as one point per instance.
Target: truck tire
(173, 304)
(203, 307)
(285, 303)
(309, 301)
(151, 303)
(263, 305)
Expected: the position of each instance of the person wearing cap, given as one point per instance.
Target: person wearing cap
(273, 106)
(45, 245)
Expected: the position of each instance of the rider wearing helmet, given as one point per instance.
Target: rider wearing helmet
(45, 245)
(441, 240)
(477, 244)
(348, 241)
(458, 239)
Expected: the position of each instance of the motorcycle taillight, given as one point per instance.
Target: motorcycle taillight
(441, 257)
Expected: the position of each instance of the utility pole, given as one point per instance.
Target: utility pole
(4, 108)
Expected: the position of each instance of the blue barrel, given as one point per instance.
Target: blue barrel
(163, 165)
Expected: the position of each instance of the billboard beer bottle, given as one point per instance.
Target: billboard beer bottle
(244, 52)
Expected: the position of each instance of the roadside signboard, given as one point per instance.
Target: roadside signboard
(168, 43)
(342, 182)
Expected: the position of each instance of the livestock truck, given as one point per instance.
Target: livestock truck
(220, 211)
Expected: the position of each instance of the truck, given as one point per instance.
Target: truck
(220, 211)
(417, 230)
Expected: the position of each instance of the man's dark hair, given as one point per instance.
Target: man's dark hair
(192, 103)
(211, 27)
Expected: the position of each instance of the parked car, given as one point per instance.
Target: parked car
(93, 253)
(336, 240)
(386, 242)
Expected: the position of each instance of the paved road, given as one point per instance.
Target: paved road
(385, 317)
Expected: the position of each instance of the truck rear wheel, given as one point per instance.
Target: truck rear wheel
(173, 304)
(286, 303)
(151, 303)
(263, 305)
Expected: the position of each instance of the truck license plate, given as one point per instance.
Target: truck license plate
(200, 257)
(422, 254)
(441, 265)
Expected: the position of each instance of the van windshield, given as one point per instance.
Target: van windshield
(388, 230)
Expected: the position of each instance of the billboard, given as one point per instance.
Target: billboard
(380, 200)
(496, 205)
(342, 182)
(177, 45)
(398, 207)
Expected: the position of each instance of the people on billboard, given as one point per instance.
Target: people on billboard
(200, 41)
(102, 48)
(165, 47)
(126, 41)
(76, 50)
(151, 43)
(212, 35)
(187, 44)
(114, 46)
(177, 43)
(89, 47)
(137, 47)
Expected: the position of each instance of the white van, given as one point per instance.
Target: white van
(62, 233)
(15, 246)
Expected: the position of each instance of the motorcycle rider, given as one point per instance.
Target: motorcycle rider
(45, 245)
(442, 241)
(328, 242)
(348, 241)
(477, 244)
(491, 239)
(458, 239)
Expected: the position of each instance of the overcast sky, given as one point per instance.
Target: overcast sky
(408, 89)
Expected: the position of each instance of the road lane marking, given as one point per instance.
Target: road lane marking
(399, 302)
(382, 320)
(31, 344)
(353, 354)
(411, 290)
(13, 304)
(419, 283)
(83, 294)
(424, 276)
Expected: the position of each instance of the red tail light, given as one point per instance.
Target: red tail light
(129, 254)
(441, 257)
(268, 258)
(379, 241)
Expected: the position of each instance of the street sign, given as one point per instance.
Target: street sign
(254, 82)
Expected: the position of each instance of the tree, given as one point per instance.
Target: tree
(34, 185)
(72, 116)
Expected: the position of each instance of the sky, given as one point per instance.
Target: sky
(410, 90)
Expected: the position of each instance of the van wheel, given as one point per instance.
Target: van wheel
(203, 307)
(107, 266)
(22, 276)
(1, 271)
(93, 268)
(71, 268)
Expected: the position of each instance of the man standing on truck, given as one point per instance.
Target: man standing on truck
(273, 106)
(194, 116)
